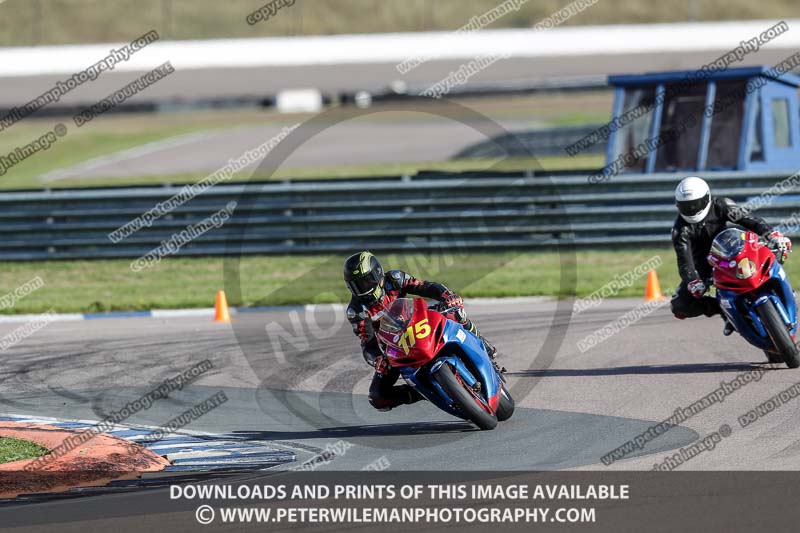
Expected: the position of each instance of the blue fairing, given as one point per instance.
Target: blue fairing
(750, 326)
(460, 346)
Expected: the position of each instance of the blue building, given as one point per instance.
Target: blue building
(684, 121)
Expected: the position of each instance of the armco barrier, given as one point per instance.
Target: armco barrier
(478, 211)
(550, 141)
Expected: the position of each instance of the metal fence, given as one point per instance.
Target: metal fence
(476, 211)
(549, 141)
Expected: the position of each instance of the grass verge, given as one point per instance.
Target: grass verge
(17, 450)
(109, 285)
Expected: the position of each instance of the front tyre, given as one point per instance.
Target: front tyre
(773, 357)
(777, 331)
(465, 400)
(505, 408)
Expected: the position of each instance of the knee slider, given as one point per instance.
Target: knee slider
(379, 403)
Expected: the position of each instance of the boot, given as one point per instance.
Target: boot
(728, 329)
(491, 350)
(395, 397)
(711, 306)
(408, 394)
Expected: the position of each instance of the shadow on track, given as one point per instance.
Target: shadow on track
(691, 368)
(376, 430)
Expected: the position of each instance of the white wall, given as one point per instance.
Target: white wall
(390, 48)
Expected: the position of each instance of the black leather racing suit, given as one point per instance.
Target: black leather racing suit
(365, 320)
(692, 243)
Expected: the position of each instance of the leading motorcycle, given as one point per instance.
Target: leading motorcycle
(754, 293)
(444, 362)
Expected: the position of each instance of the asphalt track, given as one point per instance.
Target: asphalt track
(356, 142)
(571, 411)
(376, 77)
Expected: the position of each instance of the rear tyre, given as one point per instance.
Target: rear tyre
(506, 406)
(464, 399)
(777, 331)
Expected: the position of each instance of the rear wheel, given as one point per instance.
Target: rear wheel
(506, 406)
(777, 331)
(464, 399)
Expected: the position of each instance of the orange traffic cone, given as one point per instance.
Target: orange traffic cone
(221, 313)
(652, 290)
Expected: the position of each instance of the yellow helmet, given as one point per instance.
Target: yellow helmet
(363, 274)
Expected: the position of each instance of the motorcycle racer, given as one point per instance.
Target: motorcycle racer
(373, 291)
(701, 218)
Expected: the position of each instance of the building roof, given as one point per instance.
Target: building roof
(673, 76)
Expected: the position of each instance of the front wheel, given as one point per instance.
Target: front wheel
(506, 406)
(777, 331)
(465, 400)
(773, 357)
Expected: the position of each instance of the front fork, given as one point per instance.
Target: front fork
(761, 300)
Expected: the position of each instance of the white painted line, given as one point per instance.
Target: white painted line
(509, 300)
(193, 445)
(172, 313)
(239, 461)
(209, 311)
(10, 319)
(135, 438)
(324, 307)
(131, 153)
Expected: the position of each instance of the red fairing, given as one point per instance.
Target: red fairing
(745, 272)
(494, 401)
(419, 342)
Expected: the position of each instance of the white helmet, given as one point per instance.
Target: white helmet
(693, 198)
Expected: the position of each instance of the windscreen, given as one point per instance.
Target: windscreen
(728, 243)
(398, 316)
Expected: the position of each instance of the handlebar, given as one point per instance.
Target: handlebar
(437, 307)
(774, 249)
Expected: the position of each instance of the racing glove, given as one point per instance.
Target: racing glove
(451, 299)
(782, 243)
(697, 288)
(371, 350)
(382, 365)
